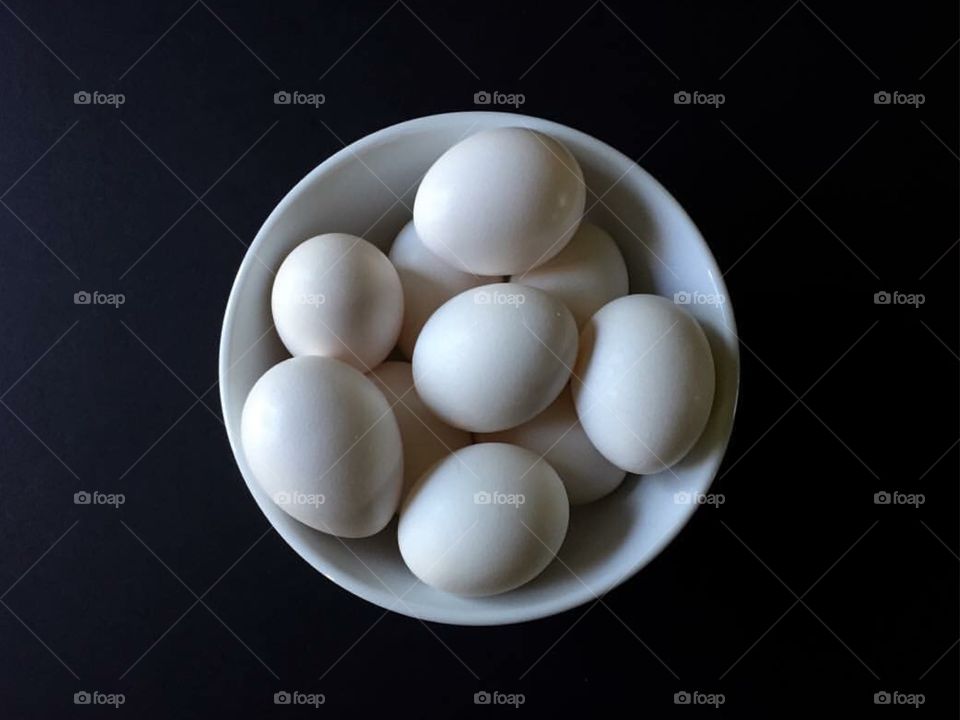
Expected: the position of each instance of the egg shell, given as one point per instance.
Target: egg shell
(500, 202)
(425, 438)
(338, 296)
(557, 436)
(427, 282)
(322, 442)
(484, 520)
(643, 383)
(494, 357)
(587, 274)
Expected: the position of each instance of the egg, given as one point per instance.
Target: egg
(643, 383)
(587, 274)
(484, 520)
(425, 438)
(338, 296)
(322, 442)
(427, 282)
(500, 202)
(557, 436)
(494, 357)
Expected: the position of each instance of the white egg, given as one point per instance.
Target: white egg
(557, 436)
(428, 282)
(500, 202)
(494, 356)
(483, 520)
(322, 441)
(338, 296)
(643, 383)
(425, 438)
(587, 274)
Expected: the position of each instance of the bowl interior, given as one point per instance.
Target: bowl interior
(367, 189)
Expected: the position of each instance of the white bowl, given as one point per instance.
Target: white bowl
(356, 191)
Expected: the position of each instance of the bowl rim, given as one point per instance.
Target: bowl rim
(507, 614)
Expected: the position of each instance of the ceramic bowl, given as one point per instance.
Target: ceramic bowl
(367, 189)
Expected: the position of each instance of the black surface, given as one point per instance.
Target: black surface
(798, 595)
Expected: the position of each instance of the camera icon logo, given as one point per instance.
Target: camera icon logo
(282, 97)
(282, 698)
(682, 498)
(482, 498)
(81, 498)
(82, 298)
(282, 498)
(81, 698)
(682, 98)
(482, 98)
(882, 498)
(82, 98)
(882, 98)
(882, 298)
(481, 698)
(682, 297)
(681, 698)
(881, 698)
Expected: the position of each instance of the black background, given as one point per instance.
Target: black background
(841, 397)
